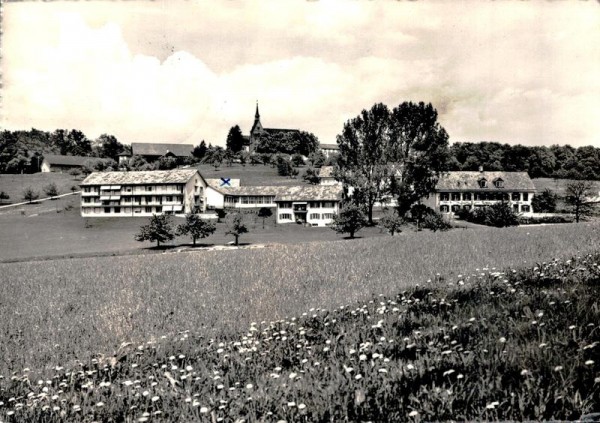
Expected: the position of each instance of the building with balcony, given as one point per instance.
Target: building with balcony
(313, 205)
(469, 190)
(154, 151)
(143, 193)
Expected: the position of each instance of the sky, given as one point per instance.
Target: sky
(186, 71)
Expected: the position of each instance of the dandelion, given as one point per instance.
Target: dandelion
(449, 372)
(589, 362)
(572, 327)
(413, 413)
(155, 398)
(524, 372)
(301, 406)
(502, 340)
(558, 368)
(492, 405)
(293, 375)
(358, 377)
(203, 410)
(291, 404)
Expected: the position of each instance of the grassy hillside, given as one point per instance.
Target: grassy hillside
(517, 344)
(14, 185)
(557, 185)
(250, 175)
(54, 312)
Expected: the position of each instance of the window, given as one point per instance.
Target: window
(444, 196)
(482, 183)
(525, 196)
(444, 209)
(327, 216)
(467, 207)
(315, 204)
(525, 208)
(117, 209)
(499, 183)
(516, 208)
(285, 205)
(456, 196)
(86, 189)
(285, 216)
(128, 189)
(478, 196)
(328, 204)
(455, 208)
(158, 209)
(315, 216)
(467, 196)
(516, 196)
(148, 199)
(148, 189)
(148, 209)
(169, 198)
(106, 209)
(86, 200)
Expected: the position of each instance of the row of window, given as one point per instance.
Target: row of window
(147, 199)
(445, 208)
(250, 199)
(483, 196)
(119, 210)
(312, 216)
(147, 188)
(311, 204)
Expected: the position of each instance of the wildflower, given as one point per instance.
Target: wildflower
(291, 404)
(292, 375)
(301, 406)
(413, 413)
(382, 371)
(410, 367)
(502, 340)
(203, 410)
(492, 405)
(572, 327)
(155, 398)
(524, 372)
(449, 372)
(558, 368)
(589, 362)
(358, 377)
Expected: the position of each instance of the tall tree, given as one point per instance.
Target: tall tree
(200, 150)
(350, 220)
(364, 162)
(109, 147)
(577, 195)
(235, 139)
(418, 147)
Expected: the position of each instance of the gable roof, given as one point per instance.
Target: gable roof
(288, 193)
(217, 183)
(466, 180)
(57, 159)
(329, 146)
(160, 149)
(175, 176)
(279, 130)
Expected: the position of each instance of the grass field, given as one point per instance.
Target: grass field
(344, 335)
(14, 185)
(558, 185)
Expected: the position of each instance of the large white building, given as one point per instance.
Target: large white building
(469, 190)
(143, 193)
(314, 205)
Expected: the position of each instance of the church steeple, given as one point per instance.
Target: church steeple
(257, 114)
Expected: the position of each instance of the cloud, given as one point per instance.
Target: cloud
(143, 71)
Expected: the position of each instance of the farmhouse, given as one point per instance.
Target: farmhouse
(468, 190)
(259, 131)
(60, 164)
(326, 176)
(329, 149)
(154, 151)
(143, 193)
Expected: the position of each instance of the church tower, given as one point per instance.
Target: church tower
(256, 130)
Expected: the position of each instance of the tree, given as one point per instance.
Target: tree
(350, 220)
(418, 212)
(221, 213)
(167, 163)
(317, 158)
(199, 151)
(109, 147)
(196, 227)
(235, 225)
(392, 222)
(159, 229)
(577, 196)
(311, 176)
(30, 195)
(3, 196)
(214, 156)
(544, 202)
(284, 166)
(235, 140)
(264, 212)
(51, 190)
(297, 160)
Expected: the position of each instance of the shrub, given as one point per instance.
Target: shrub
(159, 229)
(499, 215)
(3, 196)
(30, 195)
(51, 190)
(298, 160)
(392, 222)
(544, 202)
(350, 220)
(310, 175)
(436, 222)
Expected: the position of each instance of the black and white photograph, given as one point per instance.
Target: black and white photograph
(299, 211)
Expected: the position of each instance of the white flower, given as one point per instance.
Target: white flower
(203, 409)
(413, 413)
(502, 340)
(292, 375)
(589, 362)
(155, 398)
(291, 404)
(524, 372)
(301, 406)
(558, 368)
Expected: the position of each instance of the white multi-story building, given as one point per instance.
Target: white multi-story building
(468, 190)
(314, 205)
(143, 193)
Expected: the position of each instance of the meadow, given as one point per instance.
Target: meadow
(373, 335)
(14, 185)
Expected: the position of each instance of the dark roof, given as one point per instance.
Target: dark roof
(329, 146)
(160, 149)
(464, 180)
(174, 176)
(56, 159)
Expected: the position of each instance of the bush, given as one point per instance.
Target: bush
(350, 220)
(499, 215)
(298, 160)
(30, 195)
(544, 202)
(545, 219)
(392, 222)
(436, 222)
(51, 190)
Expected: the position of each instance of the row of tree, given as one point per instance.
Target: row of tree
(556, 161)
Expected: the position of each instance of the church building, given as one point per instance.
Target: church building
(258, 131)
